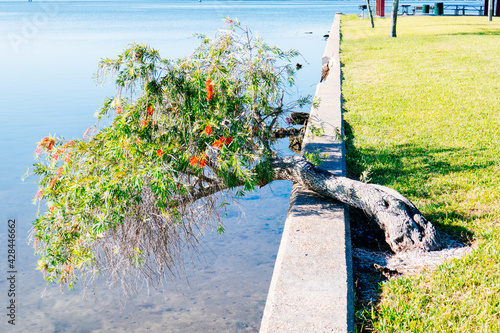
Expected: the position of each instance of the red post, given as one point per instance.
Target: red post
(380, 8)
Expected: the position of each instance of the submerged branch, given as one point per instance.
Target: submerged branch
(286, 132)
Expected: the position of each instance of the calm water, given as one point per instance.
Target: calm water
(48, 53)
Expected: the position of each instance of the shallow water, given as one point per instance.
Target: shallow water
(49, 51)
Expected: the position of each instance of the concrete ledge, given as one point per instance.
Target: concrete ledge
(311, 288)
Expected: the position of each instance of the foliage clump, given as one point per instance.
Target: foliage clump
(130, 197)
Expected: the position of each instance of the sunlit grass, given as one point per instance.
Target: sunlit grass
(423, 115)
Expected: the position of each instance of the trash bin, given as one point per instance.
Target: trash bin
(363, 7)
(438, 8)
(425, 9)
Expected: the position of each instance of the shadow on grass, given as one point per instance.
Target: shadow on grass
(405, 164)
(485, 32)
(458, 233)
(413, 167)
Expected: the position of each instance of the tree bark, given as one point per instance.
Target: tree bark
(490, 10)
(394, 17)
(404, 226)
(370, 13)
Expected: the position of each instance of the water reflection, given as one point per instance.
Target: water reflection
(46, 87)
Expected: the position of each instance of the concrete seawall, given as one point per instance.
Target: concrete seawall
(312, 288)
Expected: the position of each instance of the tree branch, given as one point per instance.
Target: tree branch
(286, 132)
(404, 226)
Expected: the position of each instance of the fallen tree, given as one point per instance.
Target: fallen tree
(184, 137)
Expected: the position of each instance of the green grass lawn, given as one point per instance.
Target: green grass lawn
(422, 114)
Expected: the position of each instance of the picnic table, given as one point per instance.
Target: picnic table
(456, 8)
(404, 9)
(464, 8)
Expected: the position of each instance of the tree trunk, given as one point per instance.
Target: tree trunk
(394, 17)
(370, 13)
(404, 226)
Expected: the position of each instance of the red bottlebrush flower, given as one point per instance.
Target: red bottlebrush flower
(217, 144)
(255, 128)
(208, 129)
(159, 153)
(51, 208)
(222, 139)
(137, 141)
(67, 158)
(55, 157)
(193, 161)
(60, 171)
(51, 144)
(210, 89)
(118, 109)
(38, 151)
(144, 122)
(203, 162)
(52, 182)
(150, 110)
(229, 139)
(69, 144)
(47, 142)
